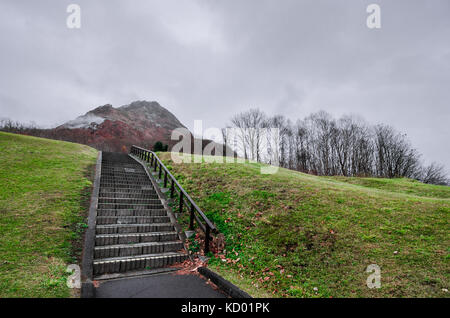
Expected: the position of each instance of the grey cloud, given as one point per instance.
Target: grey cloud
(209, 59)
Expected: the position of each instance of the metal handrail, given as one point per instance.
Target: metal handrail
(155, 163)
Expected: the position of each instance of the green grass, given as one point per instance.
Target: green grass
(297, 235)
(44, 191)
(406, 186)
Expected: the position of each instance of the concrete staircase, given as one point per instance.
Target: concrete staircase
(133, 229)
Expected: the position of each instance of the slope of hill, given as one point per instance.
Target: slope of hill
(400, 185)
(44, 191)
(297, 235)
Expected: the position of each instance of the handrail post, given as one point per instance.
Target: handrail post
(180, 210)
(172, 189)
(160, 171)
(191, 221)
(165, 178)
(207, 239)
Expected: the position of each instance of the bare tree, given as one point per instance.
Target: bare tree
(239, 122)
(394, 155)
(279, 122)
(250, 125)
(434, 174)
(321, 145)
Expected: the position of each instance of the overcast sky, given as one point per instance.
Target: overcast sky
(209, 59)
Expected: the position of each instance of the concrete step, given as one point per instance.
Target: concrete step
(115, 239)
(119, 169)
(112, 195)
(121, 163)
(107, 184)
(128, 195)
(134, 173)
(131, 212)
(123, 179)
(113, 206)
(128, 172)
(148, 190)
(133, 228)
(128, 200)
(123, 172)
(137, 249)
(124, 264)
(104, 220)
(125, 188)
(111, 173)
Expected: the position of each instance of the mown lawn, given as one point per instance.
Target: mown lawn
(403, 185)
(296, 235)
(44, 192)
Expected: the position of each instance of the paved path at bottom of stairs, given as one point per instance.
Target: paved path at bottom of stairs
(168, 285)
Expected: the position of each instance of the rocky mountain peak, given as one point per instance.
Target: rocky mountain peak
(142, 104)
(106, 127)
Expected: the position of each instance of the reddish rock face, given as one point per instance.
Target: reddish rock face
(116, 129)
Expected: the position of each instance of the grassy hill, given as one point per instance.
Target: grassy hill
(44, 193)
(297, 235)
